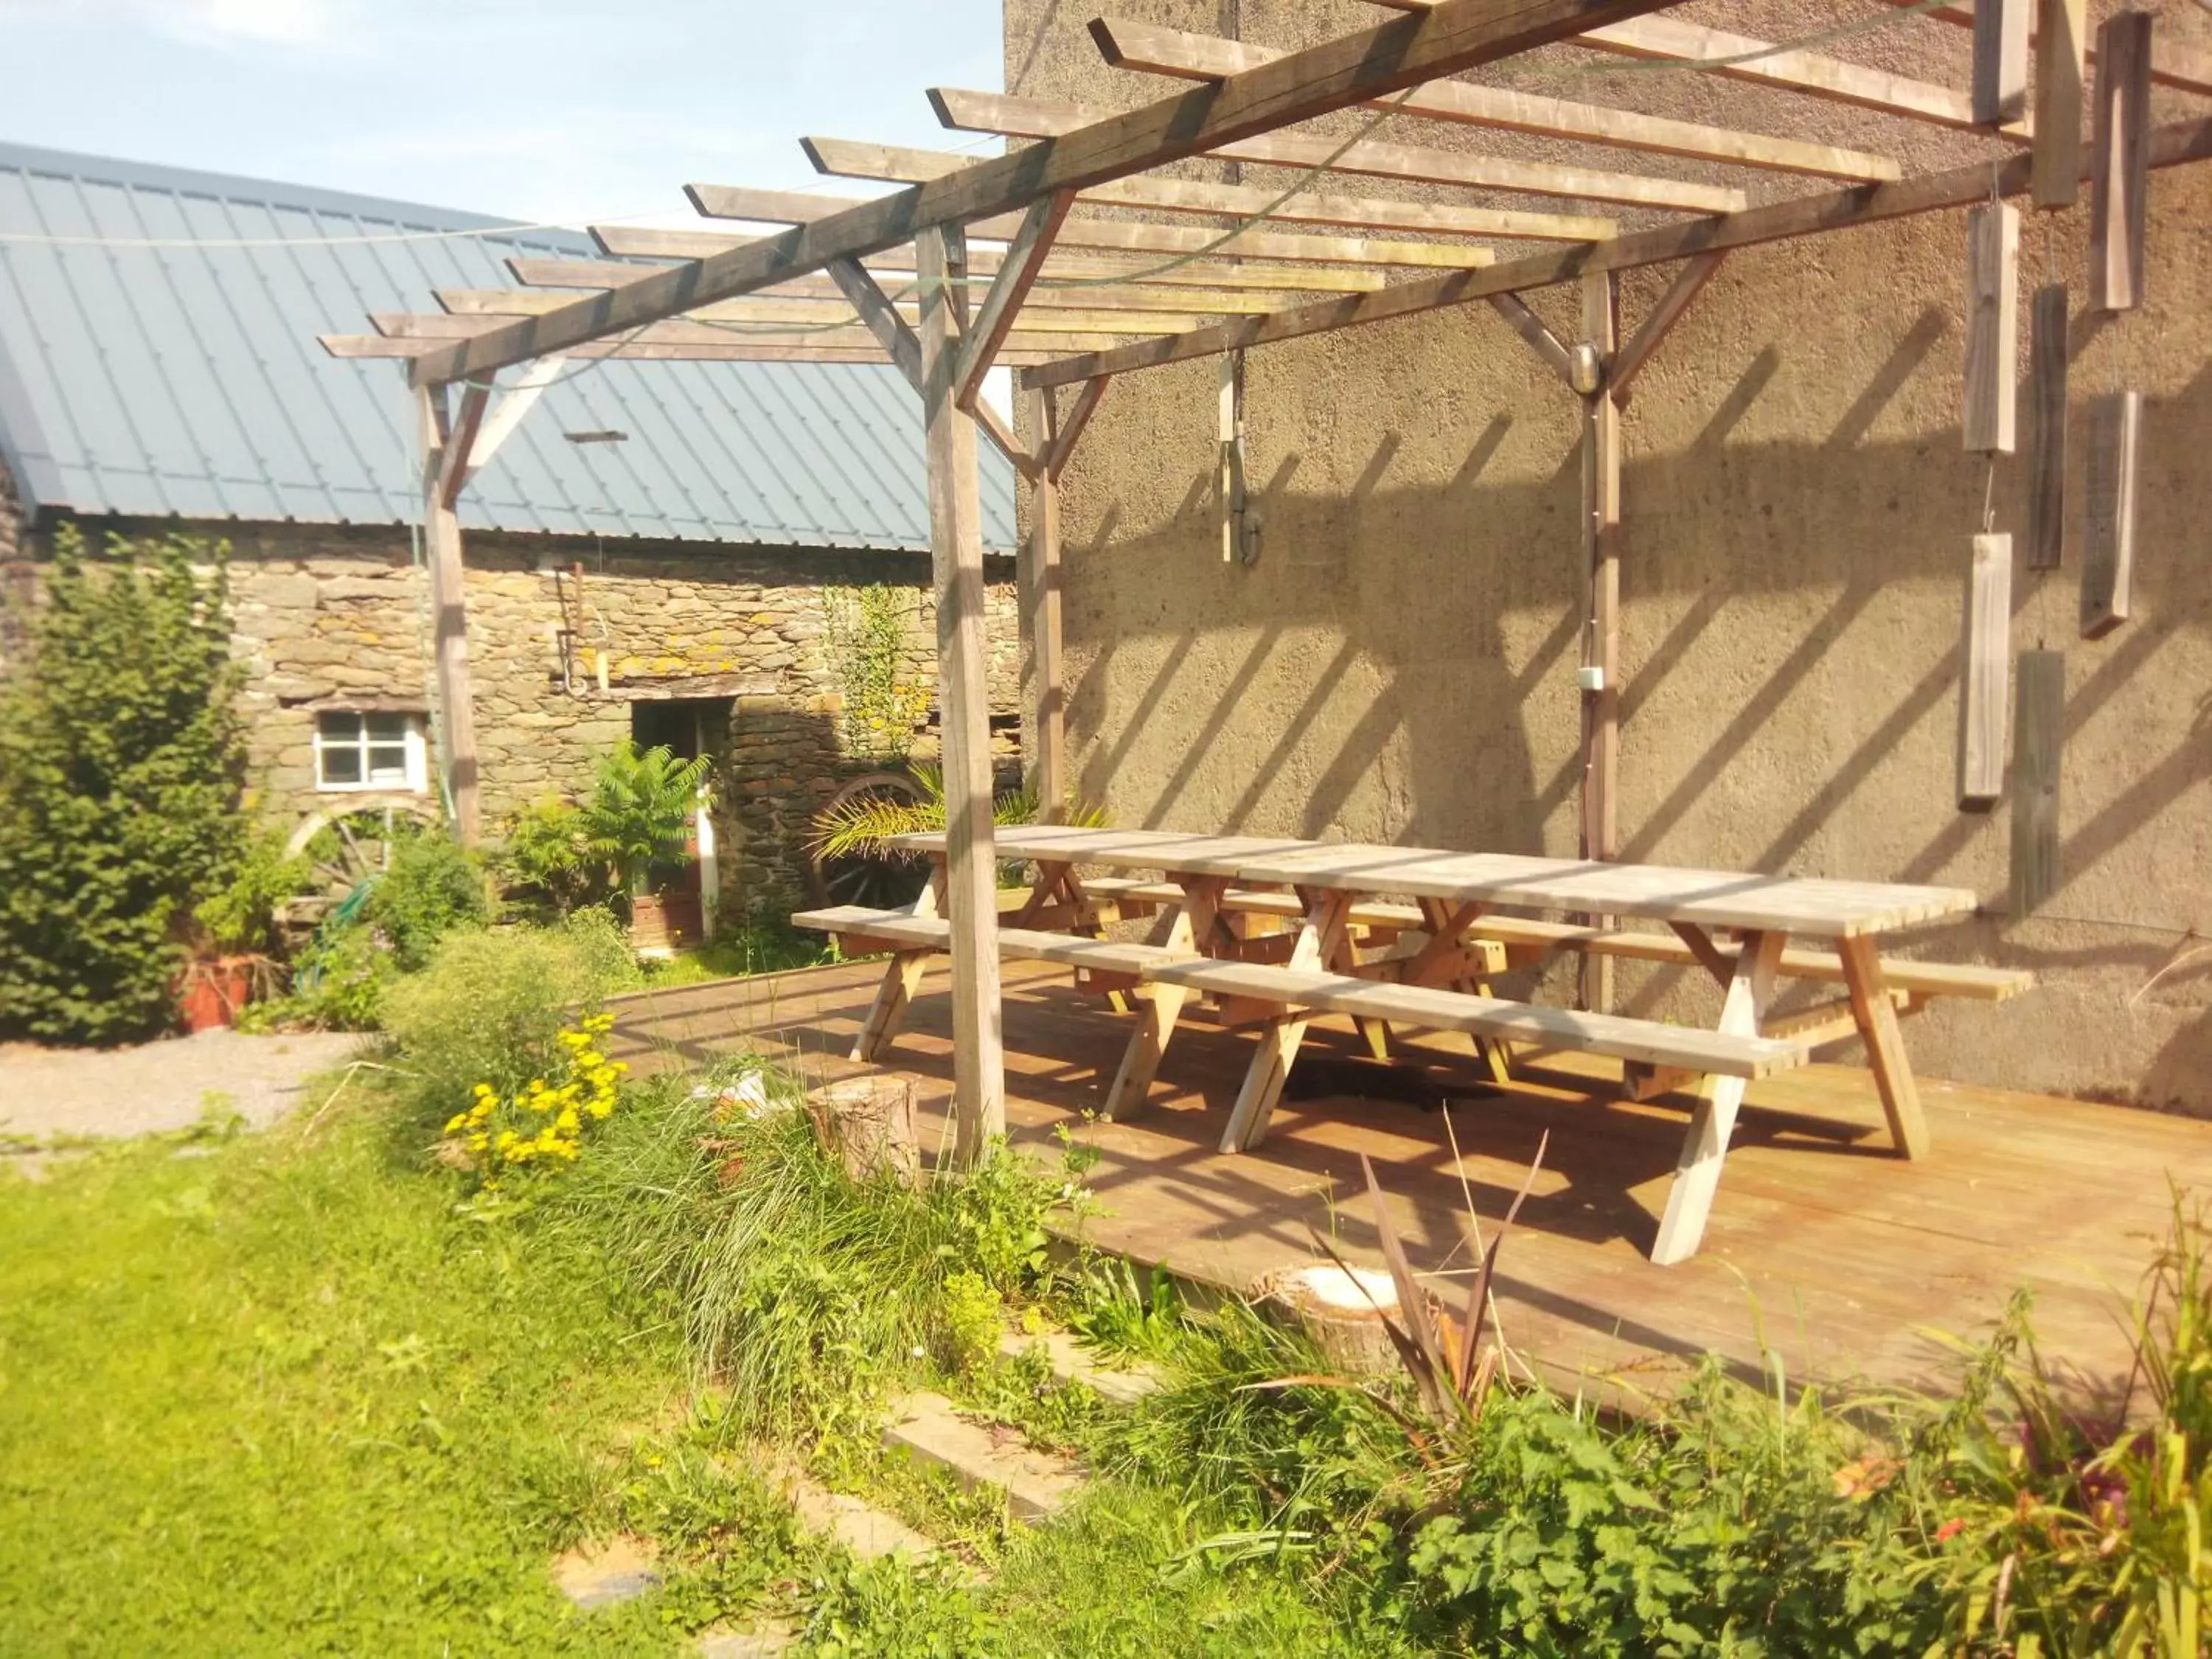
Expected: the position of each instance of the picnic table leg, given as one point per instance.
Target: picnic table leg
(1445, 924)
(1698, 1171)
(1876, 1014)
(1187, 923)
(901, 980)
(1319, 937)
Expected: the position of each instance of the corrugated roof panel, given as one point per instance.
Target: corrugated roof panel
(184, 380)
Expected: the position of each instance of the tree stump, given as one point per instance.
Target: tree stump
(867, 1123)
(1341, 1311)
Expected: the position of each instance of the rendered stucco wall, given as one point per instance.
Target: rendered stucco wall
(1399, 665)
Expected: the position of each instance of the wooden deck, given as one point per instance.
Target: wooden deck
(1844, 1255)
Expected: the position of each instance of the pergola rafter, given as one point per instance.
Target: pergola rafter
(1100, 270)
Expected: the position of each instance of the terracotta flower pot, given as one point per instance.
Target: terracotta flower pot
(213, 990)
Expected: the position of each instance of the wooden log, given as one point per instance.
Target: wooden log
(2038, 736)
(2108, 530)
(1985, 661)
(2119, 171)
(2046, 470)
(867, 1124)
(2000, 83)
(2062, 40)
(979, 1098)
(1992, 327)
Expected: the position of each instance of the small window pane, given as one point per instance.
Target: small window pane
(387, 764)
(386, 728)
(341, 764)
(339, 727)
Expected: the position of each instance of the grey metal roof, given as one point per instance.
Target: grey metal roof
(183, 378)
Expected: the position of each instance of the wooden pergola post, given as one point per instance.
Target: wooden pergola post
(956, 536)
(444, 452)
(1601, 688)
(1041, 614)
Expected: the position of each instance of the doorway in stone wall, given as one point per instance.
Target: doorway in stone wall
(691, 893)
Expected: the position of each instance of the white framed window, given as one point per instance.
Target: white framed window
(370, 748)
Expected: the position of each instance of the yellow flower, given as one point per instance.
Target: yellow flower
(457, 1121)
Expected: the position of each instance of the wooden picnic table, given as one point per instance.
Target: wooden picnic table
(1735, 925)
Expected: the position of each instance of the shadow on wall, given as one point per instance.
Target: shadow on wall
(1398, 665)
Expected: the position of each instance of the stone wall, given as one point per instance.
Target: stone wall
(1399, 665)
(333, 618)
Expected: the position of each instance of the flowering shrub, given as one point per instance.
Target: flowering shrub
(543, 1123)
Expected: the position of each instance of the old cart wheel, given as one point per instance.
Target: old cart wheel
(344, 846)
(880, 881)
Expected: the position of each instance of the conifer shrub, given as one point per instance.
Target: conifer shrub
(122, 761)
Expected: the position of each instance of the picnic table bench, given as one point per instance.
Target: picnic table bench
(1312, 928)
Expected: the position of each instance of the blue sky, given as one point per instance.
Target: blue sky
(554, 110)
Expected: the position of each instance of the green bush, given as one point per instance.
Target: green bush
(120, 746)
(433, 887)
(242, 917)
(639, 813)
(489, 1006)
(547, 861)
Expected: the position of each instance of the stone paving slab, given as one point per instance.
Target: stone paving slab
(929, 1426)
(1071, 1362)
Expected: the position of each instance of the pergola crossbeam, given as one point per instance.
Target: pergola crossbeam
(2171, 145)
(1016, 116)
(1762, 62)
(1659, 322)
(1458, 34)
(2172, 62)
(902, 164)
(1530, 327)
(623, 242)
(802, 208)
(989, 328)
(1133, 46)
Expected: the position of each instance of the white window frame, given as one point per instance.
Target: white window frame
(415, 747)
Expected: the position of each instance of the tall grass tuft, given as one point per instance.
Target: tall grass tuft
(805, 1294)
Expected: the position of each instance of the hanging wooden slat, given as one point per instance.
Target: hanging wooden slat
(2039, 735)
(2119, 169)
(2108, 531)
(2062, 38)
(1992, 326)
(1985, 658)
(2000, 85)
(2046, 466)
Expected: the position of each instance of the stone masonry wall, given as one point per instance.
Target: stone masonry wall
(331, 617)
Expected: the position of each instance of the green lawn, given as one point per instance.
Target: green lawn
(264, 1396)
(259, 1401)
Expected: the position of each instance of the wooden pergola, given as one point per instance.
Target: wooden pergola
(1102, 265)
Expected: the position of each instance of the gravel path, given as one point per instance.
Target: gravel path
(159, 1085)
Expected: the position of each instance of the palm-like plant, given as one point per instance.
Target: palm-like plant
(640, 810)
(861, 827)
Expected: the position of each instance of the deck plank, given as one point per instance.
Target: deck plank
(1842, 1254)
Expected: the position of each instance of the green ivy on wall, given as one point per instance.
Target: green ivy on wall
(865, 635)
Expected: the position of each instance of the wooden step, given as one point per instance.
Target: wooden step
(1686, 1046)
